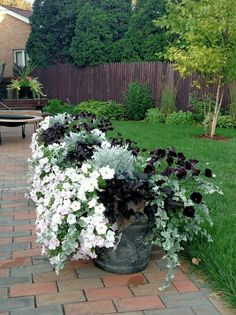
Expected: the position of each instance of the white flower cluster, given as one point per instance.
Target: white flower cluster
(70, 219)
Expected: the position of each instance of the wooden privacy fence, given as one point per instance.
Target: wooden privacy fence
(108, 81)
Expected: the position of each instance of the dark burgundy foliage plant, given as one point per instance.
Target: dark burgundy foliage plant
(124, 198)
(81, 153)
(53, 134)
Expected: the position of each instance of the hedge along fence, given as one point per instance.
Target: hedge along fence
(108, 82)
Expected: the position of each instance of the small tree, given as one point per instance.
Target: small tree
(205, 42)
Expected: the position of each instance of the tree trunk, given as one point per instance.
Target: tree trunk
(219, 99)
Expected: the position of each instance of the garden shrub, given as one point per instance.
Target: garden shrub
(168, 100)
(137, 100)
(226, 121)
(154, 115)
(180, 118)
(102, 109)
(56, 106)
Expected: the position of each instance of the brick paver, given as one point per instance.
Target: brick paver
(29, 286)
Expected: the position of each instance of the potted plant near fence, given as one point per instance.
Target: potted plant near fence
(25, 85)
(103, 198)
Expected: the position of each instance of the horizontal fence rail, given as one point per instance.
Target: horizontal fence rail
(109, 81)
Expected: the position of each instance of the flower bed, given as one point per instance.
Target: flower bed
(88, 188)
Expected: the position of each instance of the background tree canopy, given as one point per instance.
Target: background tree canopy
(89, 32)
(52, 28)
(144, 40)
(100, 24)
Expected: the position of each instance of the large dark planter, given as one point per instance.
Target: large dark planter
(25, 92)
(131, 254)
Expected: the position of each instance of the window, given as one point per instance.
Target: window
(20, 57)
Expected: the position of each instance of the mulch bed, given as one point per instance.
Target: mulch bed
(215, 138)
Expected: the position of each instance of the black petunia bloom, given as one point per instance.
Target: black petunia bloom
(172, 152)
(196, 197)
(161, 153)
(195, 172)
(149, 169)
(180, 163)
(188, 165)
(189, 211)
(170, 160)
(168, 171)
(208, 172)
(181, 173)
(181, 156)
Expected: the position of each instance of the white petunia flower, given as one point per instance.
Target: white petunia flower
(101, 228)
(107, 172)
(71, 219)
(85, 167)
(105, 144)
(75, 205)
(99, 209)
(92, 203)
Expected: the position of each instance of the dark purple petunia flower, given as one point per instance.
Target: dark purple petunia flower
(180, 163)
(196, 197)
(168, 171)
(172, 152)
(181, 173)
(208, 172)
(189, 211)
(149, 169)
(188, 165)
(195, 172)
(161, 153)
(170, 160)
(181, 156)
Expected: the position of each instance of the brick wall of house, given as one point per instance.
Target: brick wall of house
(14, 34)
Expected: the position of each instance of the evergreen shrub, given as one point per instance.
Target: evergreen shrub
(137, 100)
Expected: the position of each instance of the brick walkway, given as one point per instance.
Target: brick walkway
(29, 286)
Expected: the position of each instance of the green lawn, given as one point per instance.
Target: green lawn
(219, 257)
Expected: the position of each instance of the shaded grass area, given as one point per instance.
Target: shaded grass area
(219, 257)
